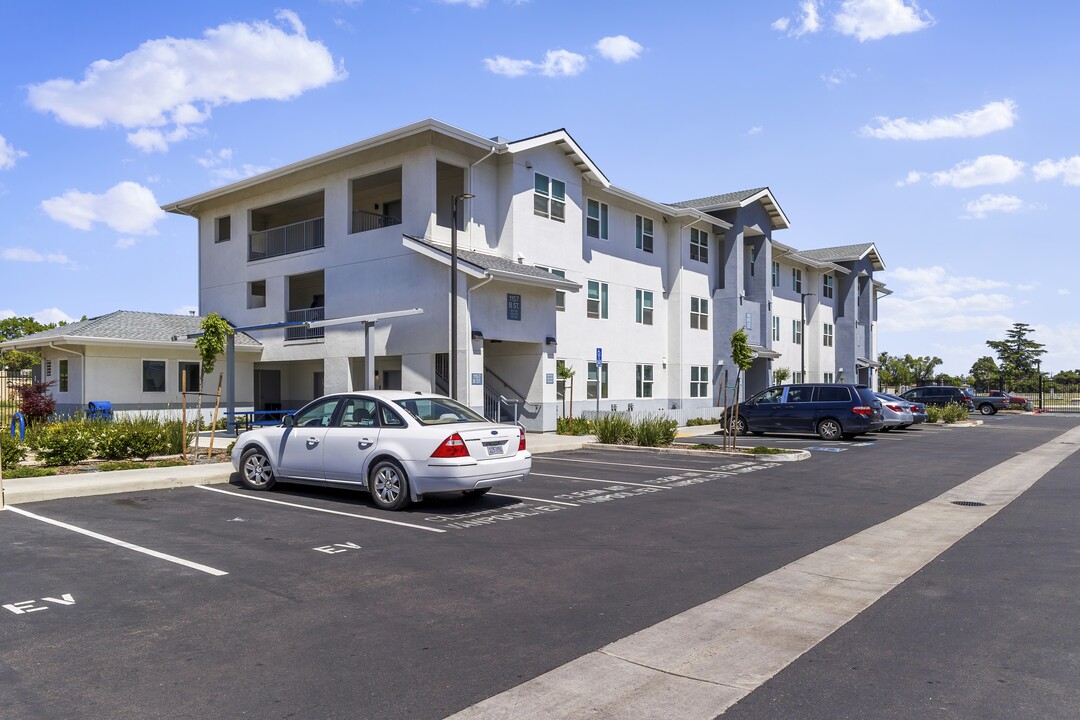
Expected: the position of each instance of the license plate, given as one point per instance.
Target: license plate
(495, 449)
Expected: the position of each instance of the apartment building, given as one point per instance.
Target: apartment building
(554, 263)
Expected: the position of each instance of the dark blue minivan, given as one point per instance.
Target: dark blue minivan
(832, 411)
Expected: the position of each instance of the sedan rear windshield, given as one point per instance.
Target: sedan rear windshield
(438, 411)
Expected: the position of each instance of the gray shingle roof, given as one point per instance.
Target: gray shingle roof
(838, 253)
(129, 325)
(485, 261)
(714, 200)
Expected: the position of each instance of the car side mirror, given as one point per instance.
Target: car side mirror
(288, 421)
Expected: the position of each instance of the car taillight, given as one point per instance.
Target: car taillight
(452, 447)
(862, 410)
(895, 408)
(521, 442)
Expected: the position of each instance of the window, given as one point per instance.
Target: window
(796, 332)
(833, 394)
(549, 199)
(796, 280)
(644, 307)
(827, 335)
(699, 381)
(753, 259)
(828, 377)
(63, 376)
(596, 305)
(827, 286)
(223, 229)
(560, 295)
(591, 384)
(191, 382)
(644, 381)
(358, 412)
(153, 376)
(644, 234)
(775, 274)
(699, 245)
(389, 417)
(317, 415)
(796, 377)
(596, 223)
(257, 294)
(800, 394)
(48, 368)
(776, 328)
(699, 313)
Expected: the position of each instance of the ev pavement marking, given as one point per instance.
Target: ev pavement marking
(702, 661)
(317, 509)
(606, 482)
(539, 500)
(635, 465)
(121, 543)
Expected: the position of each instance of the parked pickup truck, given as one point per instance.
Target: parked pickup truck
(1015, 401)
(990, 403)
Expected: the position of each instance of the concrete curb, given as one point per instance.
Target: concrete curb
(796, 455)
(55, 487)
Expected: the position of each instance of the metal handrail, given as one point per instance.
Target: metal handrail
(286, 239)
(507, 387)
(301, 332)
(362, 221)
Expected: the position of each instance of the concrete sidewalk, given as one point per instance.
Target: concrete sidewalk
(53, 487)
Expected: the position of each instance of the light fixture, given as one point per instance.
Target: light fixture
(477, 335)
(549, 341)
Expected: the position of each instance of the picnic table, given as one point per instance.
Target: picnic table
(248, 419)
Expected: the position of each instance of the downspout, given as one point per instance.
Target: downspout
(81, 356)
(471, 166)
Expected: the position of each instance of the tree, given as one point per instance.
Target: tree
(984, 371)
(1017, 353)
(780, 375)
(743, 357)
(14, 328)
(922, 368)
(215, 333)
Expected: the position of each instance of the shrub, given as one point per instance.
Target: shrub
(654, 431)
(35, 403)
(934, 413)
(12, 451)
(613, 429)
(954, 412)
(573, 426)
(64, 443)
(692, 422)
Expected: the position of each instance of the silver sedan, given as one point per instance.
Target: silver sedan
(895, 411)
(396, 445)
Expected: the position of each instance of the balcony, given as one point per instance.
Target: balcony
(362, 221)
(300, 332)
(285, 240)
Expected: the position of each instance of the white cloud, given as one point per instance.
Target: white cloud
(1067, 168)
(126, 207)
(1025, 287)
(8, 154)
(467, 3)
(165, 88)
(556, 63)
(934, 298)
(808, 22)
(978, 209)
(990, 118)
(936, 281)
(186, 310)
(875, 19)
(125, 242)
(52, 315)
(20, 254)
(754, 130)
(837, 77)
(618, 48)
(983, 170)
(221, 169)
(1064, 291)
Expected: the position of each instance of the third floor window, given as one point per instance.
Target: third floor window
(549, 198)
(796, 280)
(699, 245)
(596, 219)
(644, 239)
(827, 286)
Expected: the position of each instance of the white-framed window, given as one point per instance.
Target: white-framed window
(775, 274)
(827, 335)
(48, 368)
(796, 332)
(596, 306)
(699, 313)
(828, 377)
(596, 219)
(699, 381)
(549, 198)
(153, 376)
(192, 378)
(827, 286)
(644, 237)
(644, 381)
(796, 280)
(223, 228)
(256, 294)
(644, 307)
(753, 259)
(62, 385)
(796, 378)
(560, 295)
(776, 328)
(591, 382)
(699, 245)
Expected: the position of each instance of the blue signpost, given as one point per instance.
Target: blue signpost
(599, 369)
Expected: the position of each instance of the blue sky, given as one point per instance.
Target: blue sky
(943, 131)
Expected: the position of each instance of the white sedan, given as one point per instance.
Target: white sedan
(397, 445)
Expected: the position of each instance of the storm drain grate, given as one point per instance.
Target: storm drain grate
(968, 503)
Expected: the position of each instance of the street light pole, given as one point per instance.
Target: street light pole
(802, 343)
(453, 291)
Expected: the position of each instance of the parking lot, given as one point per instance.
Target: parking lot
(215, 601)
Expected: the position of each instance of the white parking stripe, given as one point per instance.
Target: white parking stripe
(635, 465)
(318, 509)
(697, 664)
(540, 500)
(121, 543)
(605, 482)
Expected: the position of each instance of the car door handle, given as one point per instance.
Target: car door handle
(364, 443)
(312, 441)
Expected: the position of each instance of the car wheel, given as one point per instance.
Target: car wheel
(739, 427)
(887, 428)
(475, 493)
(829, 429)
(758, 432)
(389, 485)
(255, 470)
(987, 409)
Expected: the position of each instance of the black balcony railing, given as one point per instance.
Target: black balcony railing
(362, 221)
(287, 239)
(299, 332)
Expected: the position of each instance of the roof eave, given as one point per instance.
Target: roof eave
(580, 158)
